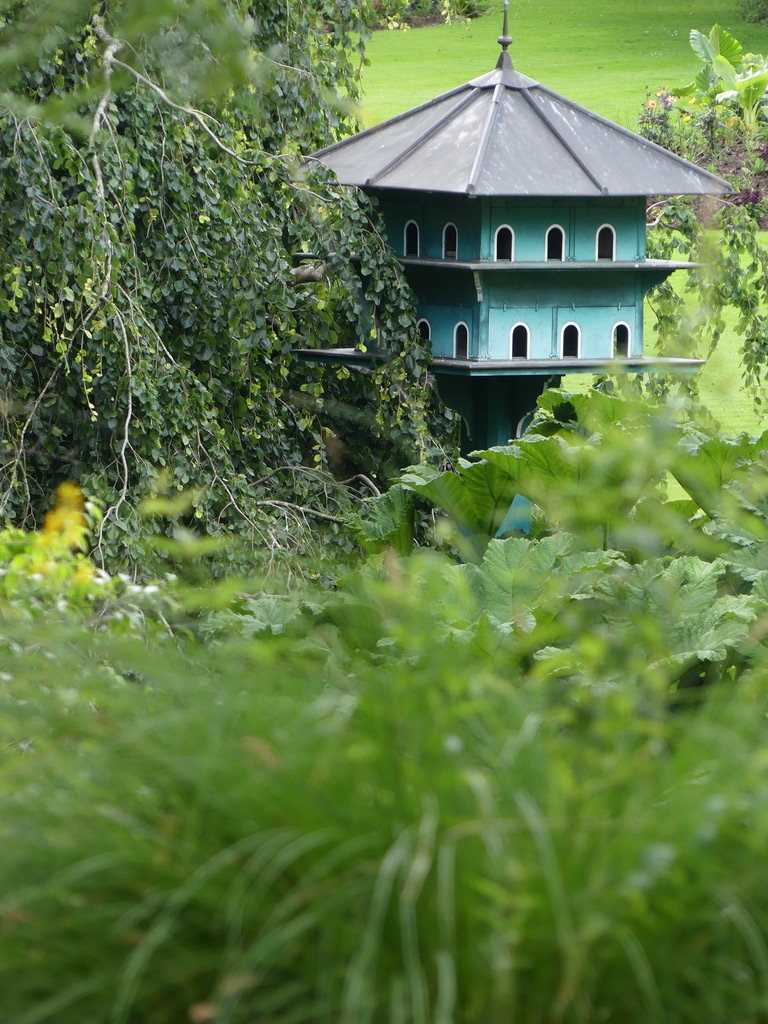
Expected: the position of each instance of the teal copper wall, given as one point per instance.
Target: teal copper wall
(543, 296)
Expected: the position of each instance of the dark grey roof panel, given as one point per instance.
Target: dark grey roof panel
(443, 161)
(509, 367)
(368, 153)
(505, 135)
(623, 162)
(545, 168)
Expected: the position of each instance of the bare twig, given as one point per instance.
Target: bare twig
(302, 509)
(114, 509)
(365, 480)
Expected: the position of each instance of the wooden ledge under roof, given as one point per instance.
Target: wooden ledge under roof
(510, 367)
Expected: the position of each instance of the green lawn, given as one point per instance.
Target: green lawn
(604, 54)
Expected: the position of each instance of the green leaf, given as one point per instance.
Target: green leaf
(717, 43)
(477, 497)
(723, 43)
(704, 465)
(700, 46)
(388, 521)
(726, 71)
(518, 574)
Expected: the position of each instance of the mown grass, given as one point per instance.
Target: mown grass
(605, 55)
(602, 54)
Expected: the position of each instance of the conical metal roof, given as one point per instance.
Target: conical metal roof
(504, 134)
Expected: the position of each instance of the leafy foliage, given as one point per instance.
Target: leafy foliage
(148, 309)
(731, 275)
(397, 14)
(754, 10)
(703, 121)
(388, 521)
(47, 577)
(747, 87)
(744, 76)
(717, 43)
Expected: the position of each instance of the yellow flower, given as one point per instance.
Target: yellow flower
(69, 495)
(42, 567)
(66, 520)
(84, 573)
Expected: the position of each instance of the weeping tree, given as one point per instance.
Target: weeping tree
(161, 262)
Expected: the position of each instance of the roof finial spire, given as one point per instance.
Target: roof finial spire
(505, 61)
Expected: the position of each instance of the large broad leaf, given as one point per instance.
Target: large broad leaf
(518, 573)
(700, 46)
(705, 465)
(516, 570)
(257, 615)
(484, 633)
(445, 490)
(722, 628)
(750, 561)
(591, 409)
(683, 91)
(726, 71)
(748, 87)
(751, 86)
(585, 486)
(554, 459)
(507, 458)
(477, 497)
(549, 458)
(718, 43)
(700, 623)
(702, 81)
(389, 522)
(760, 589)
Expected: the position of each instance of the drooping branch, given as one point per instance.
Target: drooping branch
(662, 205)
(303, 509)
(199, 116)
(365, 480)
(113, 510)
(113, 45)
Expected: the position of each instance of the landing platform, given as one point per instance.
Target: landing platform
(510, 367)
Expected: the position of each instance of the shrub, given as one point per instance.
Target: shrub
(398, 13)
(754, 10)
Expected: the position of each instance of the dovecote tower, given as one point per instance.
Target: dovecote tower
(520, 220)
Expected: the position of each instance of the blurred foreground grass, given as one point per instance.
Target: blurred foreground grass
(366, 817)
